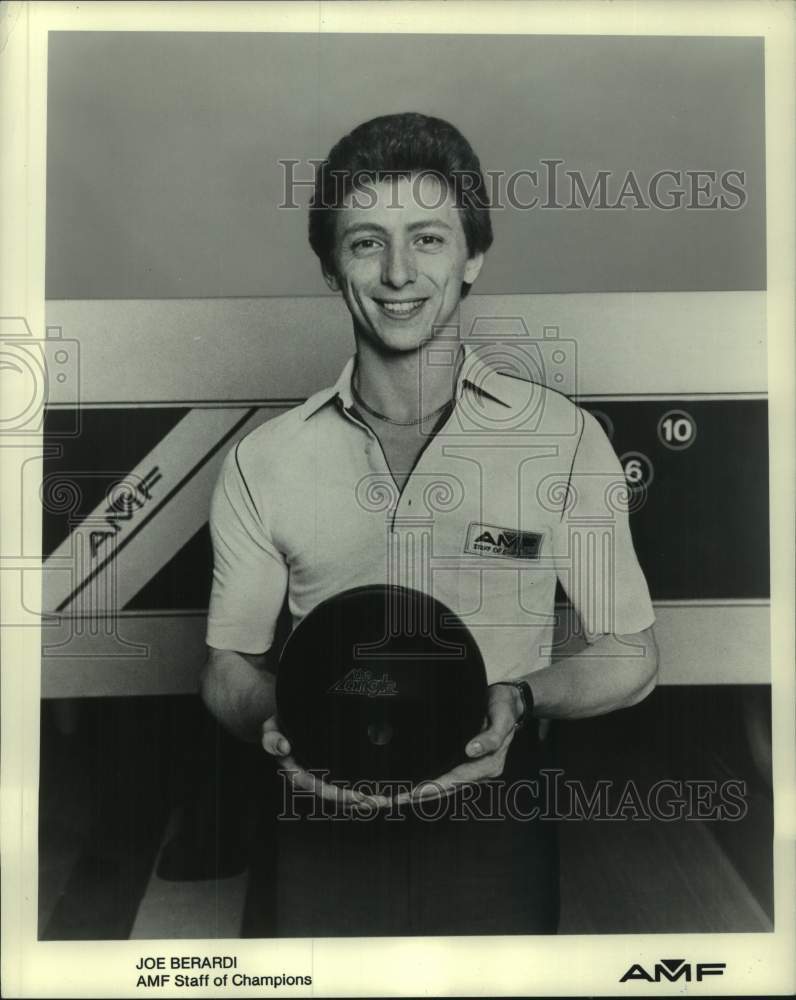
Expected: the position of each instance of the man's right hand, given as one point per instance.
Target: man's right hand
(277, 745)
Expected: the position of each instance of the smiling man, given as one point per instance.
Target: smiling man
(401, 223)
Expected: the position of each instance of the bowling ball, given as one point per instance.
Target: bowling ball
(380, 684)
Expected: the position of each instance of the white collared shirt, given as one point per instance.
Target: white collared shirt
(518, 489)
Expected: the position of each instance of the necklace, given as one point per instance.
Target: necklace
(389, 420)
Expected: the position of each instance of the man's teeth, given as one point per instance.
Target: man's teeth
(401, 308)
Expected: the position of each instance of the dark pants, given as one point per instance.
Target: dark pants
(468, 865)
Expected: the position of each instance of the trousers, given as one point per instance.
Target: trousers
(483, 861)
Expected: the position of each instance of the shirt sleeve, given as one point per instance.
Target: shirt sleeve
(250, 575)
(595, 558)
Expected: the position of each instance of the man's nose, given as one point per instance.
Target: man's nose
(399, 267)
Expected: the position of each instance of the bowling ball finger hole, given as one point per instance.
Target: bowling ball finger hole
(380, 733)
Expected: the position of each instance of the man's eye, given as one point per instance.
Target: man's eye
(430, 240)
(365, 245)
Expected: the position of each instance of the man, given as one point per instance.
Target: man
(336, 492)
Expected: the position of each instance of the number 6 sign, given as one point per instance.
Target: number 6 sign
(638, 469)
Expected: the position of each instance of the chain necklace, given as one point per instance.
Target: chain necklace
(389, 420)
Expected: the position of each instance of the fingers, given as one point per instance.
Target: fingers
(306, 781)
(427, 791)
(473, 771)
(274, 742)
(497, 726)
(488, 751)
(499, 730)
(470, 772)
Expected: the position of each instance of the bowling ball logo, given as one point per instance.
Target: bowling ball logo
(358, 681)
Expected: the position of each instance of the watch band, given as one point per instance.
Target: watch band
(527, 700)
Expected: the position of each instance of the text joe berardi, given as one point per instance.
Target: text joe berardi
(152, 968)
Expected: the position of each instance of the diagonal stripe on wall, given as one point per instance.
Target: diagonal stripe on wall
(123, 542)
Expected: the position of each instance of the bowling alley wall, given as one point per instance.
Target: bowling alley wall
(185, 307)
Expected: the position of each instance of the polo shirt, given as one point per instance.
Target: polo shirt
(518, 489)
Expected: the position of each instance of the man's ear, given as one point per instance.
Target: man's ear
(330, 278)
(473, 267)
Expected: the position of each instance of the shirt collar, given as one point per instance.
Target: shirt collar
(479, 375)
(340, 390)
(476, 374)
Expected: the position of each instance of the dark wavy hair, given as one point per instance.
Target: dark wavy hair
(395, 146)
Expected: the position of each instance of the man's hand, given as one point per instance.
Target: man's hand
(277, 745)
(487, 750)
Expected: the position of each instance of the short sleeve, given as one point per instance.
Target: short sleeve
(596, 561)
(250, 575)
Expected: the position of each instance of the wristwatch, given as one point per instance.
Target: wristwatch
(527, 700)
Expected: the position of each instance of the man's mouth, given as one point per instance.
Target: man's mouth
(401, 309)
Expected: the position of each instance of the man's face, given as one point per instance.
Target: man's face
(400, 259)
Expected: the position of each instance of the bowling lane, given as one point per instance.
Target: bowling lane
(133, 830)
(196, 908)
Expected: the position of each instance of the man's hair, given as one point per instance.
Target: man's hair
(401, 145)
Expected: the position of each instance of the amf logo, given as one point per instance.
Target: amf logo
(672, 969)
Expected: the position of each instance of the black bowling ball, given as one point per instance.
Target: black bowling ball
(380, 684)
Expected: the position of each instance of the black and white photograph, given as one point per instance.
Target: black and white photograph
(399, 552)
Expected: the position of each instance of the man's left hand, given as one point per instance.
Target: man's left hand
(487, 751)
